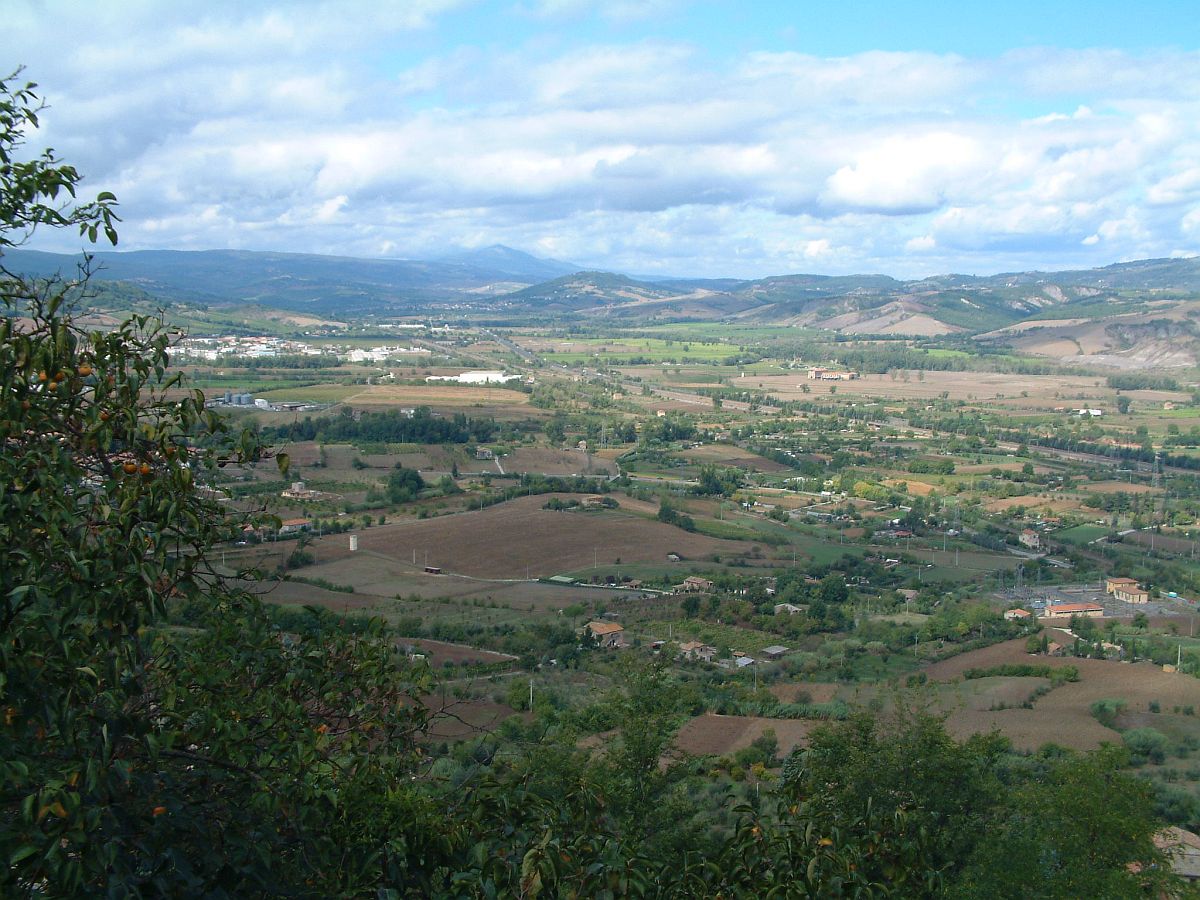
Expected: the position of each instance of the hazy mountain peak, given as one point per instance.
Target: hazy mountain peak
(517, 263)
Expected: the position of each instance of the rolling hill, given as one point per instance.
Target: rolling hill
(321, 285)
(1127, 315)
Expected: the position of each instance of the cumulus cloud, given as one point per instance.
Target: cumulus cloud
(370, 129)
(917, 173)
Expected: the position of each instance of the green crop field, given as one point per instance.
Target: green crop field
(1081, 534)
(651, 350)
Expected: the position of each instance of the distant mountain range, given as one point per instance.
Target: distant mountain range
(324, 285)
(1130, 314)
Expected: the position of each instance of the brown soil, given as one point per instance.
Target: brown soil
(818, 692)
(1063, 716)
(438, 652)
(713, 735)
(519, 539)
(460, 719)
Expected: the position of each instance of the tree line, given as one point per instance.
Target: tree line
(392, 426)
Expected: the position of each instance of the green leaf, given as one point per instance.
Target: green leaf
(283, 461)
(22, 853)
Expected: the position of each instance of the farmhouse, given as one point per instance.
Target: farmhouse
(484, 453)
(294, 526)
(299, 492)
(296, 492)
(693, 584)
(1018, 615)
(606, 634)
(1063, 610)
(697, 650)
(774, 652)
(1184, 848)
(790, 608)
(1030, 538)
(1126, 590)
(819, 373)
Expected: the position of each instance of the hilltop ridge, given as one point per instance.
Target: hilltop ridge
(1127, 315)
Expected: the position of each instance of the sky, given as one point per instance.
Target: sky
(654, 137)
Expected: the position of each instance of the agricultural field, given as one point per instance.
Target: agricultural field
(597, 351)
(436, 396)
(716, 735)
(521, 539)
(886, 514)
(1036, 391)
(1063, 715)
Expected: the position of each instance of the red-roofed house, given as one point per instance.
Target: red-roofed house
(607, 634)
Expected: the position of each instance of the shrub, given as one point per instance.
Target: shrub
(1106, 711)
(1146, 745)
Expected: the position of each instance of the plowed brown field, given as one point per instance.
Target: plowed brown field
(519, 539)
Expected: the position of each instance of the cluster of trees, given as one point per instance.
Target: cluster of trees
(931, 467)
(878, 359)
(404, 485)
(719, 481)
(283, 361)
(390, 426)
(668, 429)
(668, 512)
(1141, 381)
(594, 428)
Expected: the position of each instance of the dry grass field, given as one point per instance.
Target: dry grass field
(544, 461)
(1115, 487)
(1056, 506)
(914, 487)
(436, 396)
(729, 455)
(1042, 389)
(714, 735)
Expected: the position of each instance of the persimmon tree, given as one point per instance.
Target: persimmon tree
(137, 757)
